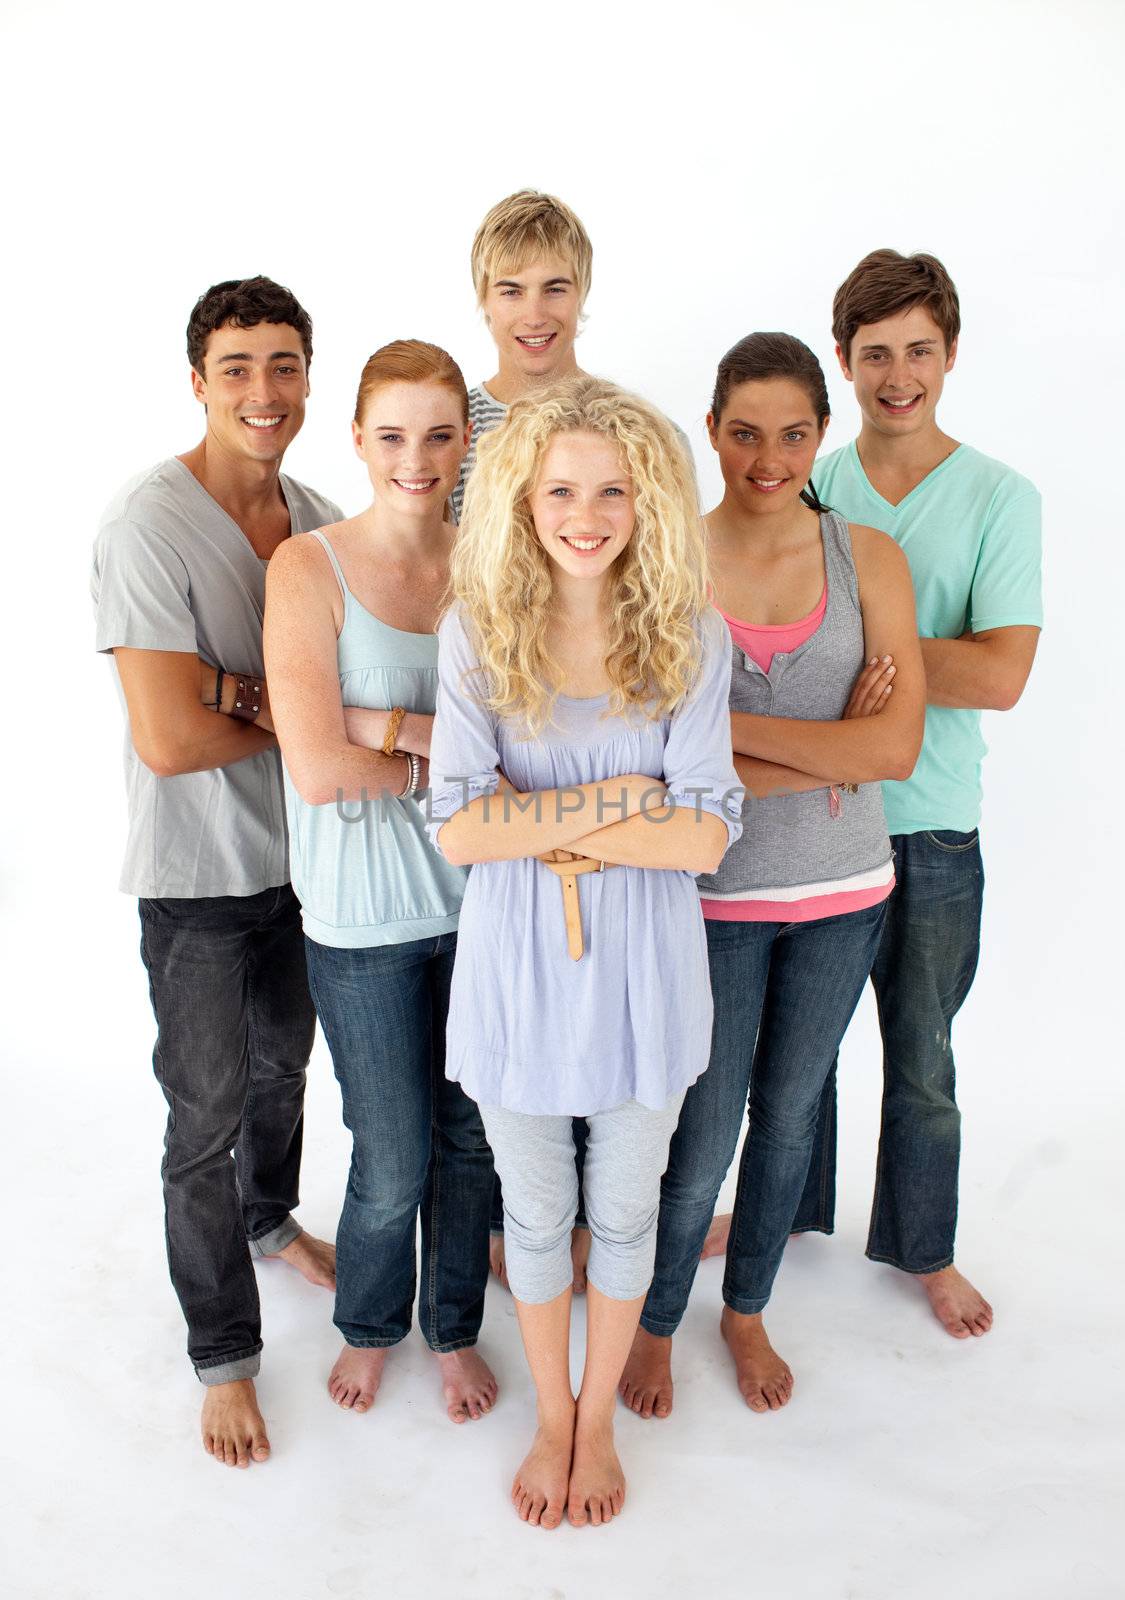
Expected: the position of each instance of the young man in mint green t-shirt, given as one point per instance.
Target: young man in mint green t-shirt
(970, 527)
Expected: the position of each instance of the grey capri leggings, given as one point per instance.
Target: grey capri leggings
(626, 1154)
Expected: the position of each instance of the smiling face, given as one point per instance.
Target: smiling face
(582, 504)
(898, 367)
(767, 439)
(254, 385)
(412, 438)
(532, 314)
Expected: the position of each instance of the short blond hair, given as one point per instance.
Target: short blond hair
(501, 575)
(524, 227)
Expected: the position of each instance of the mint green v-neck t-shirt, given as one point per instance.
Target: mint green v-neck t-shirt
(971, 533)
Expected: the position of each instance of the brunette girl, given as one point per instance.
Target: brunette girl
(795, 912)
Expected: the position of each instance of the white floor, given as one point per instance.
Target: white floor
(907, 1465)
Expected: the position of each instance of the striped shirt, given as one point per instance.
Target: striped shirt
(485, 412)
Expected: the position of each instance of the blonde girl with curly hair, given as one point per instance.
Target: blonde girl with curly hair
(581, 765)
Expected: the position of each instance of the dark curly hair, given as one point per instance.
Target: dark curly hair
(246, 302)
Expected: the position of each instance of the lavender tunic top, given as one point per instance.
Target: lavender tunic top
(529, 1028)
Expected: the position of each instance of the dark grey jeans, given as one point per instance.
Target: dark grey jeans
(234, 1032)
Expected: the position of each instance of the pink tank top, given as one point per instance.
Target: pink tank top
(762, 641)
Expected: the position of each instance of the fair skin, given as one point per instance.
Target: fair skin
(767, 566)
(251, 376)
(395, 556)
(583, 509)
(898, 368)
(532, 314)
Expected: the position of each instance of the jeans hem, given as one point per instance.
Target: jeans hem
(231, 1368)
(660, 1332)
(827, 1229)
(916, 1272)
(276, 1239)
(745, 1308)
(372, 1344)
(447, 1347)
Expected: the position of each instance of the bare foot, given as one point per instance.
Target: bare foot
(314, 1259)
(539, 1487)
(597, 1483)
(718, 1233)
(956, 1304)
(234, 1430)
(579, 1255)
(467, 1384)
(646, 1383)
(496, 1258)
(764, 1380)
(354, 1381)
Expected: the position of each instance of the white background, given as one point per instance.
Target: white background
(731, 162)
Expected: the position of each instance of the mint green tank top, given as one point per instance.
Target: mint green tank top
(367, 874)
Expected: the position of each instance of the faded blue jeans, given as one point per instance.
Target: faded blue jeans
(417, 1143)
(924, 969)
(235, 1026)
(784, 994)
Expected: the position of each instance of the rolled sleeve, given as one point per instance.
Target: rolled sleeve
(698, 759)
(463, 746)
(141, 591)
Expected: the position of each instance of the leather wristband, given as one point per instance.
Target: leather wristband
(247, 698)
(394, 723)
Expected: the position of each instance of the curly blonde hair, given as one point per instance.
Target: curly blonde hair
(501, 575)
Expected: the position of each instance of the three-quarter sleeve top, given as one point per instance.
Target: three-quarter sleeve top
(529, 1028)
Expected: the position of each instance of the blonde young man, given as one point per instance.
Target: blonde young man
(532, 262)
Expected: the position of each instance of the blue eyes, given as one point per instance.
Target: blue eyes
(560, 490)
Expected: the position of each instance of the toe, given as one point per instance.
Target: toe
(551, 1517)
(595, 1511)
(576, 1512)
(260, 1447)
(663, 1407)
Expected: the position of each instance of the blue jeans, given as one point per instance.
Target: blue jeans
(417, 1141)
(924, 969)
(235, 1027)
(784, 994)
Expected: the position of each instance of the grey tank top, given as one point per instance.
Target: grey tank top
(802, 842)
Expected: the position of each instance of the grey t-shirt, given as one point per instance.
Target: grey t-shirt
(172, 571)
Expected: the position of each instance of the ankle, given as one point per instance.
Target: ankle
(595, 1416)
(557, 1416)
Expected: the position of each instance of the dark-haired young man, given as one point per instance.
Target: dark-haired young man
(179, 589)
(970, 528)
